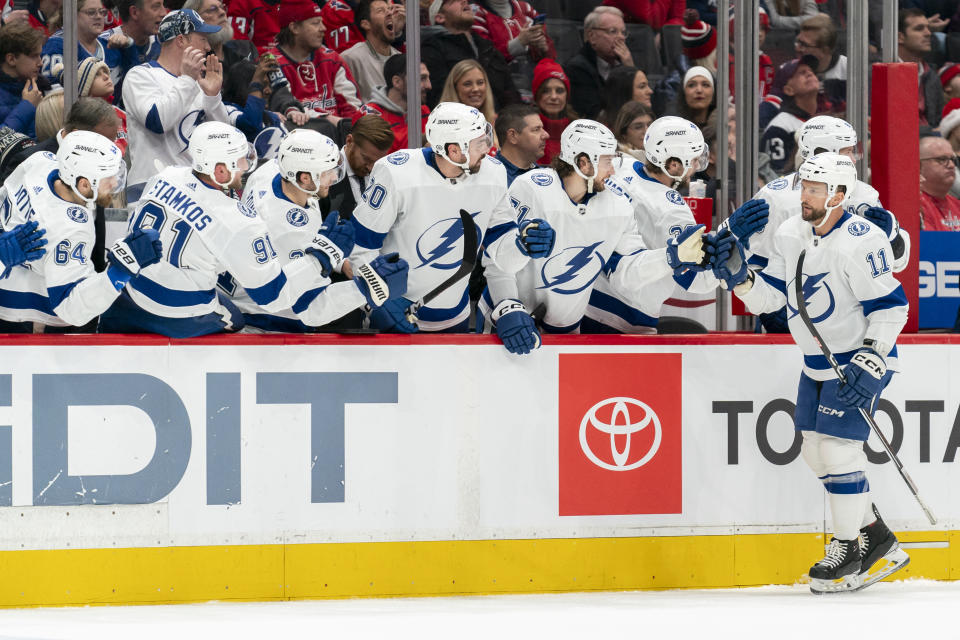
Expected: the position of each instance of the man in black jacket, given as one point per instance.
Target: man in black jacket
(604, 47)
(450, 41)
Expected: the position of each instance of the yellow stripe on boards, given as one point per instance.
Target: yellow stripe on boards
(341, 570)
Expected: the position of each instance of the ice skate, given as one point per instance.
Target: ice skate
(880, 552)
(839, 570)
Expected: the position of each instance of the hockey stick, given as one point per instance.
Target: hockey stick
(471, 243)
(802, 310)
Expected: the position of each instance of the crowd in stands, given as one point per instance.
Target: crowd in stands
(148, 77)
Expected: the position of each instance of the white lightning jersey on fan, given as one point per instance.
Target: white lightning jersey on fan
(162, 112)
(783, 196)
(410, 208)
(205, 233)
(291, 227)
(660, 213)
(61, 288)
(848, 283)
(595, 239)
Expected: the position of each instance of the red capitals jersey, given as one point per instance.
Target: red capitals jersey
(766, 74)
(488, 24)
(398, 123)
(322, 82)
(337, 18)
(254, 20)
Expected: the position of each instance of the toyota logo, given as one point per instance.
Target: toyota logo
(621, 424)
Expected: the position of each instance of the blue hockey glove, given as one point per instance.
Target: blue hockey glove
(729, 263)
(391, 317)
(750, 218)
(686, 250)
(382, 279)
(515, 327)
(333, 243)
(536, 238)
(21, 244)
(864, 379)
(140, 249)
(883, 219)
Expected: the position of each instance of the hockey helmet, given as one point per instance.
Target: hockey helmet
(305, 150)
(214, 143)
(456, 123)
(86, 154)
(674, 137)
(826, 134)
(591, 138)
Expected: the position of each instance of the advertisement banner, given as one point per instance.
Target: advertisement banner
(939, 279)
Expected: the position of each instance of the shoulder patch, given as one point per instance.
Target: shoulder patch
(542, 179)
(48, 155)
(245, 210)
(858, 228)
(297, 217)
(778, 184)
(78, 214)
(398, 158)
(674, 197)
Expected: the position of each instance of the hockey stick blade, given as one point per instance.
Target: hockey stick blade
(471, 243)
(808, 323)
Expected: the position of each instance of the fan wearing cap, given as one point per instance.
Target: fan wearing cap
(318, 76)
(796, 81)
(167, 98)
(551, 93)
(950, 80)
(697, 99)
(93, 80)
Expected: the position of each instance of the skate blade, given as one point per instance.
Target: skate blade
(891, 563)
(848, 583)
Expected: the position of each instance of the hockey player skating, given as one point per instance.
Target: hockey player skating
(205, 232)
(675, 150)
(595, 234)
(756, 228)
(59, 193)
(284, 194)
(859, 308)
(411, 206)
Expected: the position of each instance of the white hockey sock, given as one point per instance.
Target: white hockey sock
(868, 517)
(847, 510)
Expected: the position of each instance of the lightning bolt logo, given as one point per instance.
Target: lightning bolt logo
(811, 285)
(570, 268)
(449, 239)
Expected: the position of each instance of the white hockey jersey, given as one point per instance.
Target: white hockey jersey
(783, 196)
(660, 213)
(61, 288)
(205, 233)
(595, 239)
(848, 283)
(409, 207)
(162, 112)
(291, 228)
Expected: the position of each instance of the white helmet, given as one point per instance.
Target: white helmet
(305, 150)
(834, 170)
(825, 133)
(456, 123)
(589, 137)
(213, 143)
(86, 154)
(674, 137)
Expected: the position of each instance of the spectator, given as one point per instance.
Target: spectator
(699, 41)
(798, 84)
(818, 38)
(950, 80)
(451, 41)
(522, 139)
(318, 77)
(698, 100)
(467, 83)
(950, 129)
(254, 20)
(605, 47)
(370, 140)
(93, 80)
(19, 67)
(655, 13)
(939, 211)
(630, 126)
(49, 116)
(790, 14)
(167, 98)
(551, 88)
(390, 101)
(340, 21)
(913, 43)
(764, 62)
(90, 23)
(247, 89)
(381, 24)
(509, 25)
(624, 84)
(141, 19)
